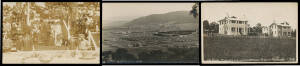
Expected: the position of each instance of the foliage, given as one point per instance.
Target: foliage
(293, 33)
(214, 27)
(205, 26)
(256, 30)
(44, 16)
(194, 10)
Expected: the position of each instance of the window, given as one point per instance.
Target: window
(241, 30)
(233, 29)
(233, 21)
(271, 33)
(240, 22)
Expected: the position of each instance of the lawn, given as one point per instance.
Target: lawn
(230, 48)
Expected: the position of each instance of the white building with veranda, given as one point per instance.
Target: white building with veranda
(277, 29)
(233, 26)
(281, 29)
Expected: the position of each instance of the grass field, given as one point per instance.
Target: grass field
(118, 48)
(257, 49)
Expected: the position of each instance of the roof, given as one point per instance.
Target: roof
(284, 24)
(281, 24)
(264, 27)
(233, 18)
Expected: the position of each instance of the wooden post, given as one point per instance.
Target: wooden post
(68, 30)
(93, 41)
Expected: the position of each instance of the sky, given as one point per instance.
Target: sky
(264, 13)
(113, 11)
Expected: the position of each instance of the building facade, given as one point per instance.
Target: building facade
(281, 29)
(265, 30)
(233, 26)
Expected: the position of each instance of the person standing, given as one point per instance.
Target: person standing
(19, 43)
(84, 45)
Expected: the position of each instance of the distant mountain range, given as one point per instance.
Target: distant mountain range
(172, 21)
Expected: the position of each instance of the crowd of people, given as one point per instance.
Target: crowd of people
(21, 35)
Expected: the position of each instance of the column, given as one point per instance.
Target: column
(237, 30)
(245, 29)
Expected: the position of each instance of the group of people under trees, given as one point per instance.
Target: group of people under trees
(23, 37)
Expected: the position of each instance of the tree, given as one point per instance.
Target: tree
(257, 29)
(258, 24)
(214, 27)
(64, 12)
(293, 33)
(205, 26)
(195, 12)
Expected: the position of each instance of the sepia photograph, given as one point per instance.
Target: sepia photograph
(249, 65)
(51, 33)
(247, 33)
(150, 33)
(170, 0)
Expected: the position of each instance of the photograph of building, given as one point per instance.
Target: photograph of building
(233, 26)
(236, 33)
(281, 29)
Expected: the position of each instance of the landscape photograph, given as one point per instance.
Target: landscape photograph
(249, 65)
(51, 33)
(244, 33)
(137, 33)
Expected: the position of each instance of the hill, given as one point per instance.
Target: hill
(172, 21)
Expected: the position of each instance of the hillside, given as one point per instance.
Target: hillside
(172, 21)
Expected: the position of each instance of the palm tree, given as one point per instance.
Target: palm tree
(195, 10)
(195, 13)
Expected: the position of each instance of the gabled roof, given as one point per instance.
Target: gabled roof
(273, 24)
(284, 24)
(280, 24)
